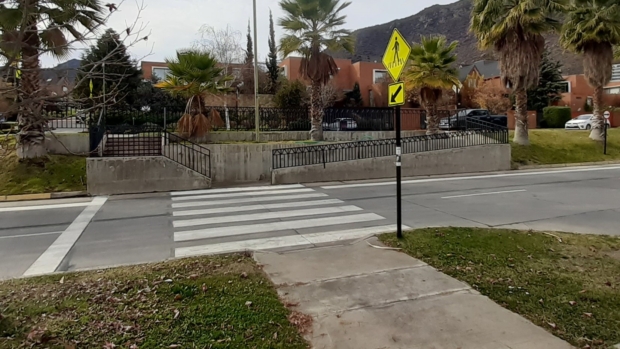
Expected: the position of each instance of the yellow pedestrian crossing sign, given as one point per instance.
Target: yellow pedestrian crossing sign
(396, 55)
(396, 94)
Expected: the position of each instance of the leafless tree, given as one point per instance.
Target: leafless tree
(225, 46)
(28, 100)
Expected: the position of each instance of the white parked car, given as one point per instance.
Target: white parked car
(582, 122)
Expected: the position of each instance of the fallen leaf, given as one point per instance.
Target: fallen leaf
(176, 313)
(587, 346)
(168, 280)
(193, 276)
(275, 335)
(587, 314)
(109, 345)
(608, 283)
(541, 301)
(178, 297)
(583, 291)
(552, 325)
(204, 288)
(573, 303)
(173, 346)
(62, 280)
(244, 275)
(248, 304)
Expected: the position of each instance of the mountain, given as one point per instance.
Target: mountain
(452, 21)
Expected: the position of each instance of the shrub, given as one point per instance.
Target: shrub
(291, 95)
(556, 117)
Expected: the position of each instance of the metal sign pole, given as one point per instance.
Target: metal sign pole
(399, 210)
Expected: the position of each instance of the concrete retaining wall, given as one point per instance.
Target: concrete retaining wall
(482, 158)
(108, 176)
(67, 143)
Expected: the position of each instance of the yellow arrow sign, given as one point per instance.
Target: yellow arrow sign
(396, 55)
(396, 94)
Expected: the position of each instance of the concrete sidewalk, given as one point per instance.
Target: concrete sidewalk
(364, 297)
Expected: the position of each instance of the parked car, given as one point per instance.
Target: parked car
(582, 122)
(459, 120)
(340, 124)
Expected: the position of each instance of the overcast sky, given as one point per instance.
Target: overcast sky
(174, 24)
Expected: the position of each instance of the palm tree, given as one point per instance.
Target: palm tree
(33, 28)
(515, 28)
(193, 75)
(431, 70)
(311, 27)
(592, 28)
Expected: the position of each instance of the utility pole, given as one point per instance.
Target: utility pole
(256, 106)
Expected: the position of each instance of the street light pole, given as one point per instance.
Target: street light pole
(256, 107)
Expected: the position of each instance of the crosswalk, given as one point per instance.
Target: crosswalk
(262, 218)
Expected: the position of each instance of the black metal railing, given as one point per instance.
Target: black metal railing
(476, 133)
(141, 136)
(186, 153)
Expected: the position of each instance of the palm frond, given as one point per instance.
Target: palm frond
(311, 27)
(431, 68)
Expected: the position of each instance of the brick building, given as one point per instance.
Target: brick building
(371, 76)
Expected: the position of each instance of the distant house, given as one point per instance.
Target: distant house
(371, 77)
(472, 77)
(60, 80)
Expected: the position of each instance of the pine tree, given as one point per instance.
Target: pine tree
(122, 76)
(354, 97)
(249, 51)
(273, 71)
(550, 85)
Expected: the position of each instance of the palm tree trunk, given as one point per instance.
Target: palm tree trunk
(432, 117)
(32, 124)
(598, 123)
(316, 113)
(521, 136)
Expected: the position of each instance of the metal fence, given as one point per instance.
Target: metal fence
(186, 153)
(475, 133)
(243, 118)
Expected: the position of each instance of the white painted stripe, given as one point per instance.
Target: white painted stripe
(49, 261)
(275, 226)
(481, 194)
(43, 207)
(234, 190)
(263, 216)
(257, 207)
(251, 193)
(283, 241)
(447, 179)
(29, 235)
(247, 200)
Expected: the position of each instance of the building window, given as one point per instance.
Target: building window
(565, 87)
(473, 83)
(615, 72)
(379, 76)
(236, 72)
(161, 73)
(284, 71)
(613, 91)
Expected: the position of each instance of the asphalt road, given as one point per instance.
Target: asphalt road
(60, 235)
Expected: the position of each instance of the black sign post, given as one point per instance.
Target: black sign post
(399, 210)
(394, 59)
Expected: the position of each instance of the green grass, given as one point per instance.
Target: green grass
(533, 274)
(54, 174)
(214, 302)
(558, 146)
